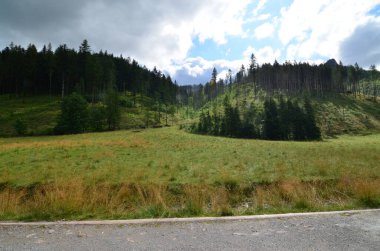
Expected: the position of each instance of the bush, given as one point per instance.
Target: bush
(126, 103)
(97, 118)
(20, 127)
(74, 115)
(112, 109)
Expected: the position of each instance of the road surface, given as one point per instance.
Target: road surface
(359, 230)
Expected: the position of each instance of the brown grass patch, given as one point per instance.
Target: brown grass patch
(74, 199)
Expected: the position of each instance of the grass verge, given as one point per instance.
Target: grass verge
(76, 200)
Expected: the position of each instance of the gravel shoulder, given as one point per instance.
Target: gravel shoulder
(356, 230)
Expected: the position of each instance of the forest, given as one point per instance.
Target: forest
(26, 72)
(280, 116)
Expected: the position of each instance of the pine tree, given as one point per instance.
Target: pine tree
(284, 117)
(112, 109)
(271, 127)
(311, 128)
(74, 115)
(213, 84)
(298, 122)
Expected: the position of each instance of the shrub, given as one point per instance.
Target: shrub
(20, 127)
(74, 115)
(97, 118)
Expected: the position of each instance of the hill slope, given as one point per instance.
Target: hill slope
(40, 113)
(335, 114)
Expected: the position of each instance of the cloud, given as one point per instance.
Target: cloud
(198, 70)
(153, 32)
(363, 45)
(265, 30)
(263, 17)
(317, 28)
(259, 7)
(263, 55)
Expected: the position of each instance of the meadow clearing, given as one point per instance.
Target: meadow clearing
(168, 172)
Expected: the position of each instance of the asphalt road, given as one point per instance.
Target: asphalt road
(337, 231)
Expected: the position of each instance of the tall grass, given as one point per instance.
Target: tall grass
(76, 200)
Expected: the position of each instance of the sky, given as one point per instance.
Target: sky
(187, 39)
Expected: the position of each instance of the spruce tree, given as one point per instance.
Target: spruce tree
(112, 109)
(271, 127)
(74, 115)
(312, 130)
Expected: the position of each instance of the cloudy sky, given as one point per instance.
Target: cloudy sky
(188, 38)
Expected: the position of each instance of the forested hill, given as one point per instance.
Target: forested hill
(290, 78)
(290, 101)
(28, 71)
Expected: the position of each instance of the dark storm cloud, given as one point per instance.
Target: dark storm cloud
(363, 46)
(119, 26)
(38, 21)
(38, 14)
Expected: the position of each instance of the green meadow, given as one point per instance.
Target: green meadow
(168, 172)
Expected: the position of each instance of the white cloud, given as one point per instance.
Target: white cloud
(263, 17)
(259, 7)
(264, 31)
(198, 70)
(311, 28)
(263, 55)
(255, 13)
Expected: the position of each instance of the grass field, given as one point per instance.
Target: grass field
(167, 172)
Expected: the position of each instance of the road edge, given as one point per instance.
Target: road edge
(185, 220)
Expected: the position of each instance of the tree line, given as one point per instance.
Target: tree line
(289, 79)
(312, 79)
(27, 71)
(282, 120)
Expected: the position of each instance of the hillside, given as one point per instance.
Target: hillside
(40, 113)
(335, 113)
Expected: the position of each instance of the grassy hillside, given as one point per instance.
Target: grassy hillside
(40, 113)
(168, 172)
(336, 114)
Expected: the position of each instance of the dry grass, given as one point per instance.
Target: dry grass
(76, 200)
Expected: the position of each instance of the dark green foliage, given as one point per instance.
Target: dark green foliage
(205, 123)
(65, 70)
(229, 124)
(312, 130)
(97, 118)
(285, 117)
(74, 115)
(283, 121)
(20, 127)
(126, 103)
(112, 109)
(298, 123)
(232, 122)
(271, 127)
